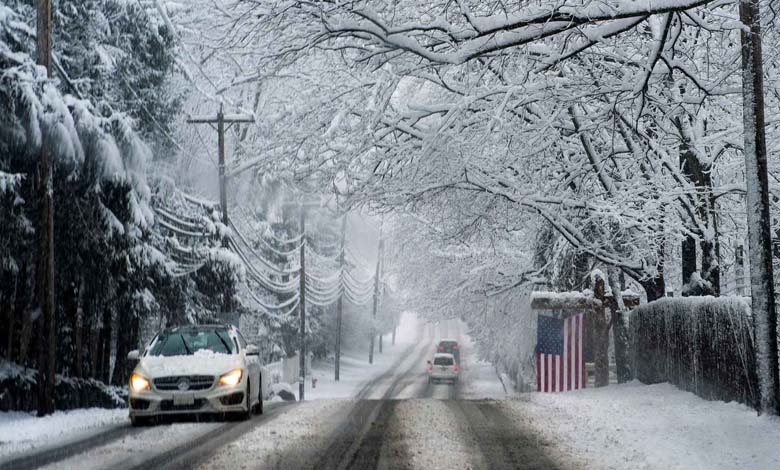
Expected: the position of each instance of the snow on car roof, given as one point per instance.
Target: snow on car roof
(443, 355)
(448, 340)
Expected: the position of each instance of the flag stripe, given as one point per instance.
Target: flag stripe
(576, 350)
(568, 336)
(560, 373)
(580, 357)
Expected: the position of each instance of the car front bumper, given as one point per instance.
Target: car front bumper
(216, 399)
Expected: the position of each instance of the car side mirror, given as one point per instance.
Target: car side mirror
(133, 355)
(251, 350)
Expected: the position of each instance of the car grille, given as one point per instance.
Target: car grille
(197, 382)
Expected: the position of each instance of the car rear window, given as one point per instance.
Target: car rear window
(442, 361)
(448, 344)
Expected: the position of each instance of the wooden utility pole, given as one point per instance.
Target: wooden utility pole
(302, 310)
(220, 120)
(762, 291)
(47, 363)
(340, 305)
(376, 297)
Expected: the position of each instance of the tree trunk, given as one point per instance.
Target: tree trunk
(710, 248)
(688, 260)
(78, 334)
(739, 268)
(757, 201)
(620, 331)
(11, 325)
(600, 329)
(70, 306)
(123, 333)
(654, 287)
(104, 346)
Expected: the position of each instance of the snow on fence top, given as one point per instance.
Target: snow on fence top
(544, 300)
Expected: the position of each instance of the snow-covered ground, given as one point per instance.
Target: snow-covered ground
(21, 432)
(651, 427)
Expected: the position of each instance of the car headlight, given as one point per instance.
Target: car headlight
(232, 378)
(138, 383)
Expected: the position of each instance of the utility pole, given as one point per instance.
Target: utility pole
(759, 224)
(302, 310)
(340, 305)
(47, 363)
(220, 120)
(376, 298)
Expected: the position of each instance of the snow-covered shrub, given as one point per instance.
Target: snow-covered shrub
(17, 391)
(701, 344)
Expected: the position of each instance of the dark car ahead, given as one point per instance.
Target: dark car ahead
(449, 346)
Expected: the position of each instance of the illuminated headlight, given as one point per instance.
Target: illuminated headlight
(232, 378)
(138, 383)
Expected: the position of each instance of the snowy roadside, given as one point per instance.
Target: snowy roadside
(651, 427)
(479, 379)
(355, 371)
(20, 431)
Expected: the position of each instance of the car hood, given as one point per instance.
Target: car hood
(200, 363)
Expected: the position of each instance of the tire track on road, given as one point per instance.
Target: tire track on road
(40, 458)
(502, 444)
(360, 437)
(188, 455)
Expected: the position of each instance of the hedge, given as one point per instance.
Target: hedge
(701, 344)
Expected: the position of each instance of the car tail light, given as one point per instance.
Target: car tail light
(440, 348)
(456, 347)
(456, 368)
(430, 366)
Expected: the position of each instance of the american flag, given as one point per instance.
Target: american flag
(560, 363)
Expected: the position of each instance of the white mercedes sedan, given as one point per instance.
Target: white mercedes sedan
(195, 369)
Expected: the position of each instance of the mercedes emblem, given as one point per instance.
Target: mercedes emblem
(184, 384)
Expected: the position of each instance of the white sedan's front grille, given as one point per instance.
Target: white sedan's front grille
(184, 382)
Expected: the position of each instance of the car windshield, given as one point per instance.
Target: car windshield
(186, 342)
(442, 361)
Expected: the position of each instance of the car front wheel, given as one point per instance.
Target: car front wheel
(259, 407)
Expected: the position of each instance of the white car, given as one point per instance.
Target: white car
(443, 368)
(193, 370)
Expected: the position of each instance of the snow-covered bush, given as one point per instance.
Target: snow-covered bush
(701, 344)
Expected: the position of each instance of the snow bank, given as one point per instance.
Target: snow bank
(648, 427)
(20, 431)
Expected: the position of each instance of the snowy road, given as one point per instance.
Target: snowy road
(394, 420)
